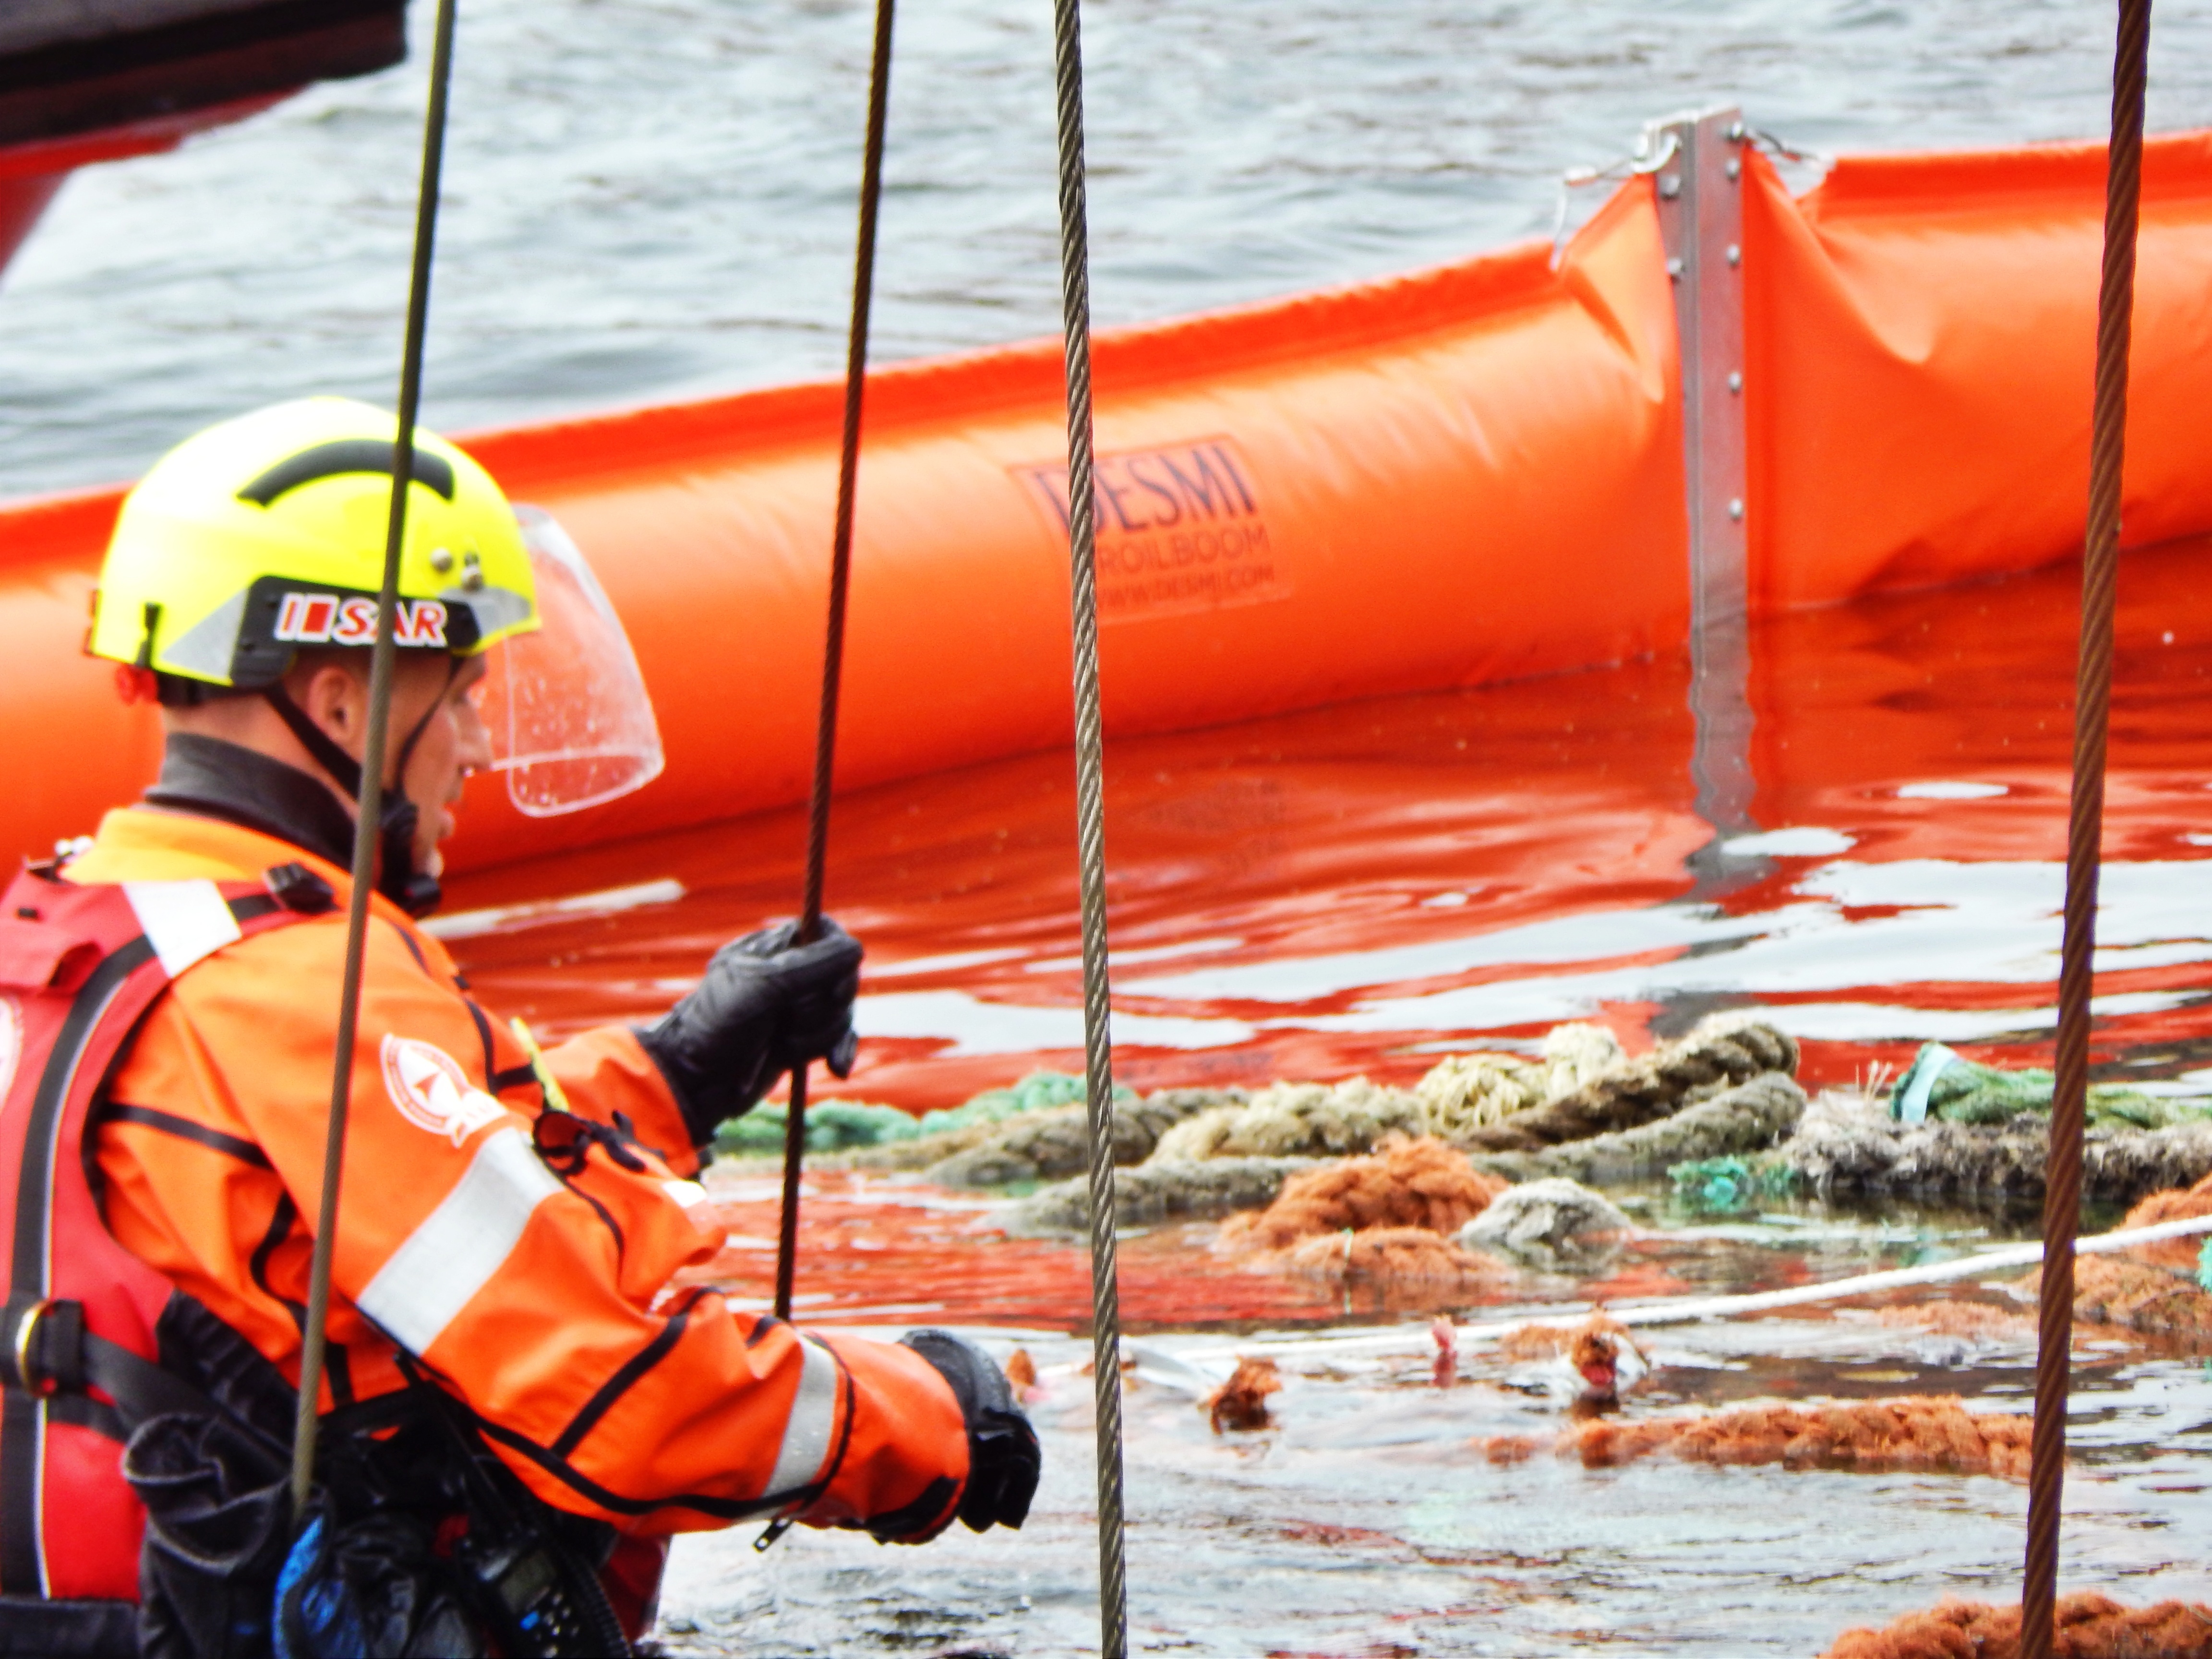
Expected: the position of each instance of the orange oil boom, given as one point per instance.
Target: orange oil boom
(1463, 475)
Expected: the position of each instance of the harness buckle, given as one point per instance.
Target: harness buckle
(47, 1347)
(300, 889)
(26, 1334)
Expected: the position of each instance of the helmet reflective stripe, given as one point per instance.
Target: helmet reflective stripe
(266, 533)
(206, 651)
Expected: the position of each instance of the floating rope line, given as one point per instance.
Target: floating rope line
(1688, 1309)
(833, 653)
(2062, 1201)
(1090, 830)
(314, 1333)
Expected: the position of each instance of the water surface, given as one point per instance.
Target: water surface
(1362, 887)
(1355, 888)
(1367, 1521)
(650, 199)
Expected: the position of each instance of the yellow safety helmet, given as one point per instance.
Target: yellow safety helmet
(267, 532)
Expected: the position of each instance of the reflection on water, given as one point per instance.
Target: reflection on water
(1356, 888)
(1366, 1520)
(650, 198)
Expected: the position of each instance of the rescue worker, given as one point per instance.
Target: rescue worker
(510, 1227)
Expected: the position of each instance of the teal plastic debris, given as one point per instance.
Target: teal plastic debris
(2204, 1267)
(1720, 1184)
(840, 1126)
(1941, 1084)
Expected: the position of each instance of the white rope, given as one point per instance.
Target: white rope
(1681, 1310)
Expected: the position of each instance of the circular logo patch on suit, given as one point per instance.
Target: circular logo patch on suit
(433, 1093)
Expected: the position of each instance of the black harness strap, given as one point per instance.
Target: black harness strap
(21, 1429)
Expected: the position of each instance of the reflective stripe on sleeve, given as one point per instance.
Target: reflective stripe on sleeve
(185, 920)
(807, 1431)
(428, 1279)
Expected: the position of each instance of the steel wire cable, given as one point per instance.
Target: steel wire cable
(833, 651)
(1090, 831)
(367, 823)
(2062, 1198)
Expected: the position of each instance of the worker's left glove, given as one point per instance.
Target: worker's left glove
(1004, 1460)
(766, 1005)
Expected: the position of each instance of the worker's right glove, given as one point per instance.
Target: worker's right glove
(765, 1006)
(1004, 1460)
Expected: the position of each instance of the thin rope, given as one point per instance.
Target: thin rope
(2062, 1197)
(1682, 1311)
(315, 1334)
(1090, 833)
(833, 654)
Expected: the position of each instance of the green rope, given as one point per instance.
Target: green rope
(1961, 1091)
(841, 1126)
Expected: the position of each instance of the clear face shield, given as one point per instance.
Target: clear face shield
(570, 723)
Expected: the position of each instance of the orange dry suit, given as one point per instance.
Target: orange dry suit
(522, 1257)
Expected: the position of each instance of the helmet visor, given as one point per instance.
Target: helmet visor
(571, 724)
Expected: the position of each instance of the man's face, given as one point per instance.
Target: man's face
(454, 742)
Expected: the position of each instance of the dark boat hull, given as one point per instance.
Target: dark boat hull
(80, 82)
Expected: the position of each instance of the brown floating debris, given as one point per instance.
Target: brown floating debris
(1381, 1219)
(1586, 1361)
(2089, 1626)
(1595, 1356)
(1241, 1401)
(1950, 1318)
(1932, 1432)
(1526, 1342)
(1411, 1256)
(2152, 1288)
(2110, 1290)
(1421, 1184)
(2173, 1205)
(1022, 1374)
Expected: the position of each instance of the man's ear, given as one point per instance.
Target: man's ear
(335, 700)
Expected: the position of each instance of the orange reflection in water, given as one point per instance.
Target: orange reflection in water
(1352, 889)
(873, 1251)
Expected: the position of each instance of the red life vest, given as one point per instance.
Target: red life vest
(80, 966)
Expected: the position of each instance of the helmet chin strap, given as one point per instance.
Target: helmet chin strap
(415, 891)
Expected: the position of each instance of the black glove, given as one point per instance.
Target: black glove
(765, 1006)
(1003, 1457)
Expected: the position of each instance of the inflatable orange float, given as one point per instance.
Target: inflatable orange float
(1463, 475)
